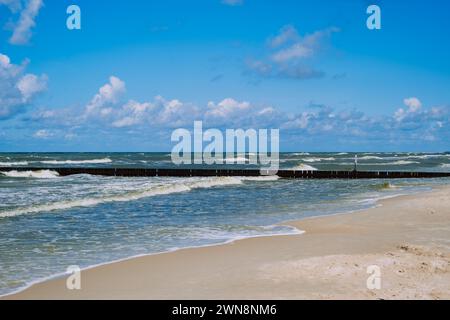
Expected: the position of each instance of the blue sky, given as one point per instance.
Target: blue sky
(139, 69)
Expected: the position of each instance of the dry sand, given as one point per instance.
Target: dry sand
(408, 237)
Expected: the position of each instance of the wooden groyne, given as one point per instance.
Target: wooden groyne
(294, 174)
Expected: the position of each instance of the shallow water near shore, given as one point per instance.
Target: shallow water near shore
(48, 223)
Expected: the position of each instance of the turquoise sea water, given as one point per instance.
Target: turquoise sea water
(48, 223)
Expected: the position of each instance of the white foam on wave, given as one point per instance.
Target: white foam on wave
(403, 156)
(370, 158)
(39, 174)
(392, 163)
(174, 187)
(236, 160)
(318, 159)
(214, 182)
(301, 154)
(10, 164)
(395, 163)
(445, 165)
(234, 234)
(304, 167)
(427, 156)
(91, 161)
(155, 190)
(260, 178)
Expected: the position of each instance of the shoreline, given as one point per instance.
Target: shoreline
(51, 287)
(143, 255)
(285, 223)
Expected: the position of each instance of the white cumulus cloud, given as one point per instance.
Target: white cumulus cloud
(413, 105)
(17, 89)
(227, 108)
(31, 84)
(107, 95)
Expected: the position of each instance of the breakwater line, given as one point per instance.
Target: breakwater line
(293, 174)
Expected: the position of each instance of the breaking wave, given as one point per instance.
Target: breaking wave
(261, 178)
(395, 163)
(93, 161)
(10, 164)
(40, 174)
(304, 167)
(370, 158)
(318, 159)
(129, 196)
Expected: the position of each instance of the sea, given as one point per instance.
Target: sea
(49, 223)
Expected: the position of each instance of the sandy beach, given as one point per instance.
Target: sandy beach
(407, 237)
